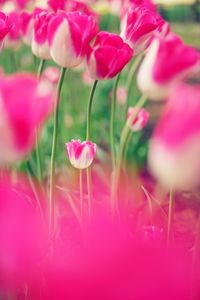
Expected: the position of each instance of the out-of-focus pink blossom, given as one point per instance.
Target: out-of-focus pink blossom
(174, 149)
(121, 95)
(57, 4)
(24, 105)
(13, 38)
(140, 120)
(167, 61)
(108, 262)
(138, 28)
(27, 25)
(81, 155)
(51, 74)
(40, 46)
(5, 27)
(108, 56)
(69, 36)
(22, 235)
(86, 78)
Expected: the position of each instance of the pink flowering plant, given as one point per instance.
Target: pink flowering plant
(99, 153)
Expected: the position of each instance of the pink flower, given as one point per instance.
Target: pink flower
(5, 27)
(13, 37)
(121, 95)
(138, 28)
(69, 36)
(57, 4)
(81, 155)
(22, 235)
(24, 105)
(27, 25)
(141, 119)
(107, 262)
(51, 74)
(108, 56)
(40, 46)
(167, 61)
(175, 146)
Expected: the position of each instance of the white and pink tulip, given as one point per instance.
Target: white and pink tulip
(69, 36)
(175, 146)
(140, 120)
(168, 61)
(24, 105)
(5, 27)
(81, 155)
(138, 28)
(40, 46)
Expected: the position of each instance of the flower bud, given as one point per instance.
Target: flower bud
(81, 155)
(140, 120)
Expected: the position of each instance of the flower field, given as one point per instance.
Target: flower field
(99, 150)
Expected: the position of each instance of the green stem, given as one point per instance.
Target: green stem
(40, 68)
(88, 171)
(33, 187)
(130, 78)
(170, 217)
(112, 120)
(53, 152)
(123, 139)
(89, 109)
(37, 150)
(81, 190)
(38, 157)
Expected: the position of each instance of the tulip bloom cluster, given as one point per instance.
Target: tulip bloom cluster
(103, 238)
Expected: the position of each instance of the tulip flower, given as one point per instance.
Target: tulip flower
(138, 28)
(175, 146)
(179, 60)
(5, 28)
(108, 56)
(13, 37)
(81, 155)
(24, 105)
(40, 46)
(106, 262)
(27, 24)
(69, 36)
(51, 74)
(140, 120)
(22, 235)
(57, 4)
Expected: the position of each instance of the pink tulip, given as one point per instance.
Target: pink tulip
(81, 155)
(141, 119)
(138, 28)
(81, 7)
(167, 61)
(13, 38)
(108, 56)
(121, 95)
(175, 146)
(22, 235)
(27, 27)
(27, 24)
(40, 46)
(5, 27)
(57, 4)
(51, 74)
(107, 262)
(24, 105)
(69, 36)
